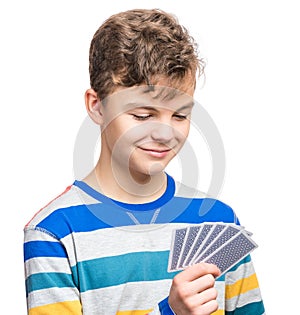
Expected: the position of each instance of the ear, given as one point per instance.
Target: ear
(93, 106)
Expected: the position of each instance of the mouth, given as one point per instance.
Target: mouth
(158, 153)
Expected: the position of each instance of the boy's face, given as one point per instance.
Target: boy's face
(143, 128)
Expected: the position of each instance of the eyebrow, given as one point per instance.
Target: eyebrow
(187, 106)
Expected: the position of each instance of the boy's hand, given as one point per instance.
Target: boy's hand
(192, 291)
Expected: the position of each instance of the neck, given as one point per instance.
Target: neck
(126, 186)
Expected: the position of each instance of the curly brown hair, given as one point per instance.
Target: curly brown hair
(138, 47)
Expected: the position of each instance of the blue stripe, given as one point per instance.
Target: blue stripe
(43, 249)
(116, 270)
(255, 308)
(74, 219)
(164, 307)
(186, 210)
(86, 218)
(48, 280)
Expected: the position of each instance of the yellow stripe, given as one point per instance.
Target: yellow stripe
(218, 312)
(66, 308)
(134, 312)
(241, 286)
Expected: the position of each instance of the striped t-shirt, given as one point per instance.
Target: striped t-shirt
(88, 254)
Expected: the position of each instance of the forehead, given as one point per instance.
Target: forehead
(157, 96)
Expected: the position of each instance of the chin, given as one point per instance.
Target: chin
(151, 170)
(155, 169)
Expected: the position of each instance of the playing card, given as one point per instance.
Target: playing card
(192, 233)
(197, 243)
(176, 246)
(222, 244)
(228, 232)
(211, 236)
(231, 252)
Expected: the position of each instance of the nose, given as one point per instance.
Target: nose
(162, 132)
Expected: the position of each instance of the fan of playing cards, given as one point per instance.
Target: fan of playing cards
(222, 244)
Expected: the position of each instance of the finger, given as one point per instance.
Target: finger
(207, 295)
(198, 300)
(196, 271)
(207, 308)
(202, 284)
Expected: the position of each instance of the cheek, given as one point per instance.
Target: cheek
(135, 133)
(116, 129)
(123, 138)
(182, 132)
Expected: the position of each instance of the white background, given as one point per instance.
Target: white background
(251, 92)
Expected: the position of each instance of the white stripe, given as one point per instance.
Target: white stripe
(130, 296)
(53, 295)
(243, 271)
(118, 241)
(33, 234)
(124, 297)
(47, 264)
(73, 197)
(109, 300)
(220, 286)
(243, 299)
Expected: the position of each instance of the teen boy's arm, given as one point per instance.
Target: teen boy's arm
(50, 287)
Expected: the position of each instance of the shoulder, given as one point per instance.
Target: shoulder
(71, 196)
(203, 206)
(185, 191)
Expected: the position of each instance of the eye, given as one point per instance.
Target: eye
(180, 116)
(141, 117)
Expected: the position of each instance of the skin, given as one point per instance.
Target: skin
(140, 135)
(141, 132)
(192, 291)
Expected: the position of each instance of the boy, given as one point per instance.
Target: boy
(102, 246)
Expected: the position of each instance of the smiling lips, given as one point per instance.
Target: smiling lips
(158, 153)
